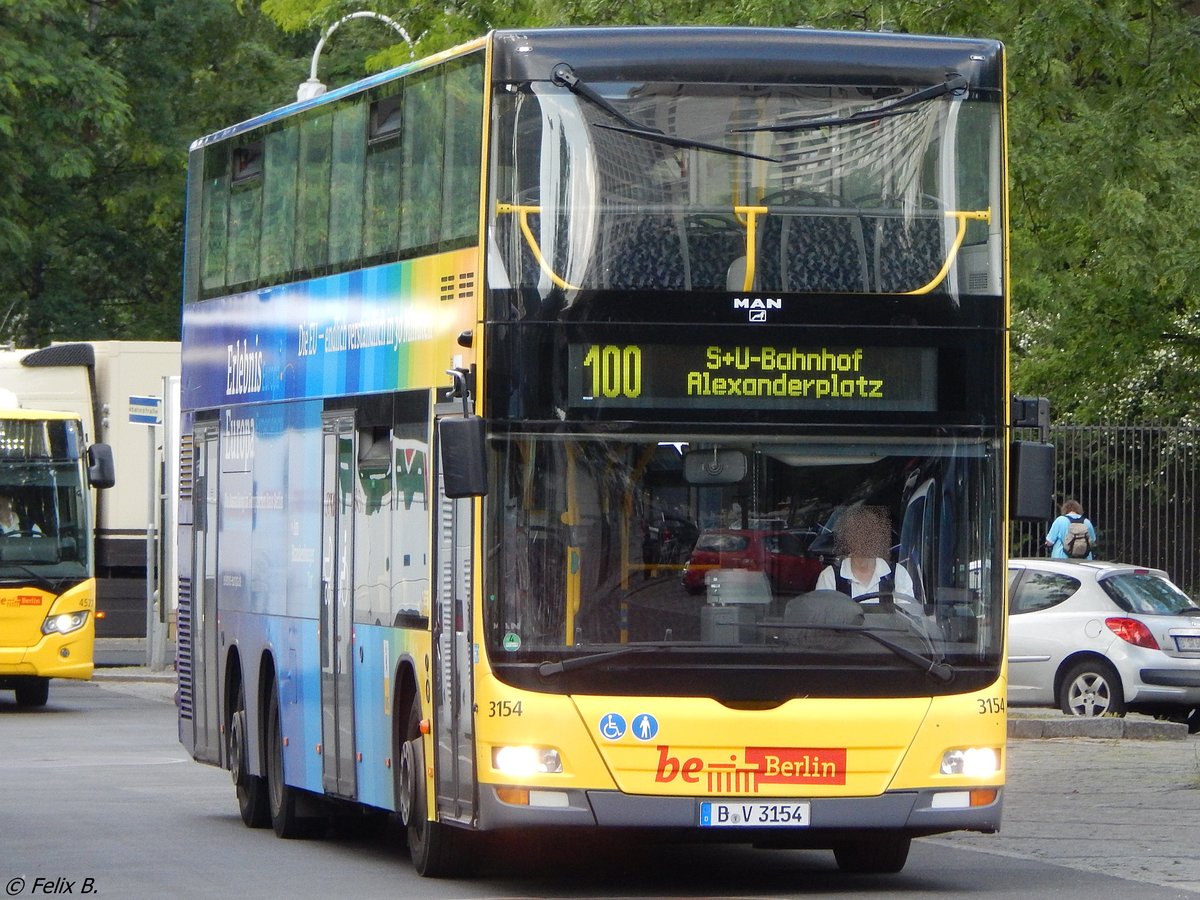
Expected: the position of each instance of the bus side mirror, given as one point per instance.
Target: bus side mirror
(1031, 481)
(464, 456)
(100, 472)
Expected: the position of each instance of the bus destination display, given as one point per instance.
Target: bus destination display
(752, 377)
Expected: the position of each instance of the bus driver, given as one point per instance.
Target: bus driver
(10, 522)
(864, 538)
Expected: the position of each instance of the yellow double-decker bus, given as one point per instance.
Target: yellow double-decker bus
(606, 429)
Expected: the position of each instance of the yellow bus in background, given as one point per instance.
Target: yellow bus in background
(47, 583)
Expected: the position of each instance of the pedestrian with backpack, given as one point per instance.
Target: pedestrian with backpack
(1071, 535)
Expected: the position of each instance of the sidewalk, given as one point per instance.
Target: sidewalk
(1127, 808)
(124, 659)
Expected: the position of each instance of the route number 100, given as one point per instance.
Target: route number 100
(616, 371)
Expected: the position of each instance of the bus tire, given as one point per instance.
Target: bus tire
(877, 854)
(437, 850)
(33, 691)
(282, 798)
(251, 789)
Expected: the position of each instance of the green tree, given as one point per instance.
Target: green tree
(98, 103)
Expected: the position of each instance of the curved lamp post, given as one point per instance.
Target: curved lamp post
(313, 87)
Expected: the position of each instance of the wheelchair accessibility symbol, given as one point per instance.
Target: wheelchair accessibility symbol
(612, 727)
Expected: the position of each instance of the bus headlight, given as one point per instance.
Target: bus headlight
(974, 762)
(65, 623)
(518, 762)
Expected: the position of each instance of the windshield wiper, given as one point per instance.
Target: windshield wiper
(39, 580)
(935, 668)
(954, 84)
(564, 76)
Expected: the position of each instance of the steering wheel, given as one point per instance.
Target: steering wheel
(876, 595)
(24, 532)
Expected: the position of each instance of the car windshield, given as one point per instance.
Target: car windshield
(1149, 594)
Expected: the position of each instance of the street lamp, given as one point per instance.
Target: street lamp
(313, 87)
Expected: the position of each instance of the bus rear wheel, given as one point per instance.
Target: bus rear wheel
(437, 850)
(284, 799)
(33, 691)
(878, 854)
(251, 789)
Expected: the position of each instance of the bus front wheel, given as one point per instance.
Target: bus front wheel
(437, 850)
(33, 691)
(878, 854)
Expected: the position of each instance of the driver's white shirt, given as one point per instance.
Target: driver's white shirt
(827, 581)
(13, 526)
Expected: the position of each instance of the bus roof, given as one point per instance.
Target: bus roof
(698, 53)
(33, 415)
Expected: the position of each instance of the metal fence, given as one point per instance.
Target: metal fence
(1138, 484)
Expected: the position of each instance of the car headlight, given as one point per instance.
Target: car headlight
(974, 762)
(64, 623)
(518, 762)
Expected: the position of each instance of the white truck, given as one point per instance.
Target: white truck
(104, 382)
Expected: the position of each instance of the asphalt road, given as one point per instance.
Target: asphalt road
(108, 794)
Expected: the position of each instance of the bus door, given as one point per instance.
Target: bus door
(454, 734)
(337, 593)
(205, 678)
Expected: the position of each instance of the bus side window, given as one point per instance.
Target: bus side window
(312, 219)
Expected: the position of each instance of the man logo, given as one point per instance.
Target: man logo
(757, 306)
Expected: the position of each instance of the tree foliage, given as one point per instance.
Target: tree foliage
(98, 101)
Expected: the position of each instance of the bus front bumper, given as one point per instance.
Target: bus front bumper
(916, 812)
(54, 656)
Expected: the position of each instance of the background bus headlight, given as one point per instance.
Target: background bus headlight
(65, 623)
(522, 761)
(976, 762)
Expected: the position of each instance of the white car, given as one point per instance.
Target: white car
(1096, 638)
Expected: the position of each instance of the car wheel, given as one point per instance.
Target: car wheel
(1193, 721)
(1092, 688)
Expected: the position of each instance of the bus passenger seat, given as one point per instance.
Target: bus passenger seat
(810, 242)
(908, 251)
(714, 244)
(646, 253)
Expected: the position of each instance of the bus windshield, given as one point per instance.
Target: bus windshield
(728, 559)
(711, 187)
(43, 525)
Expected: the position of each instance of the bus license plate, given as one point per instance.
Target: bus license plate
(753, 814)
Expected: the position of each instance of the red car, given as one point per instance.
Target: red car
(782, 555)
